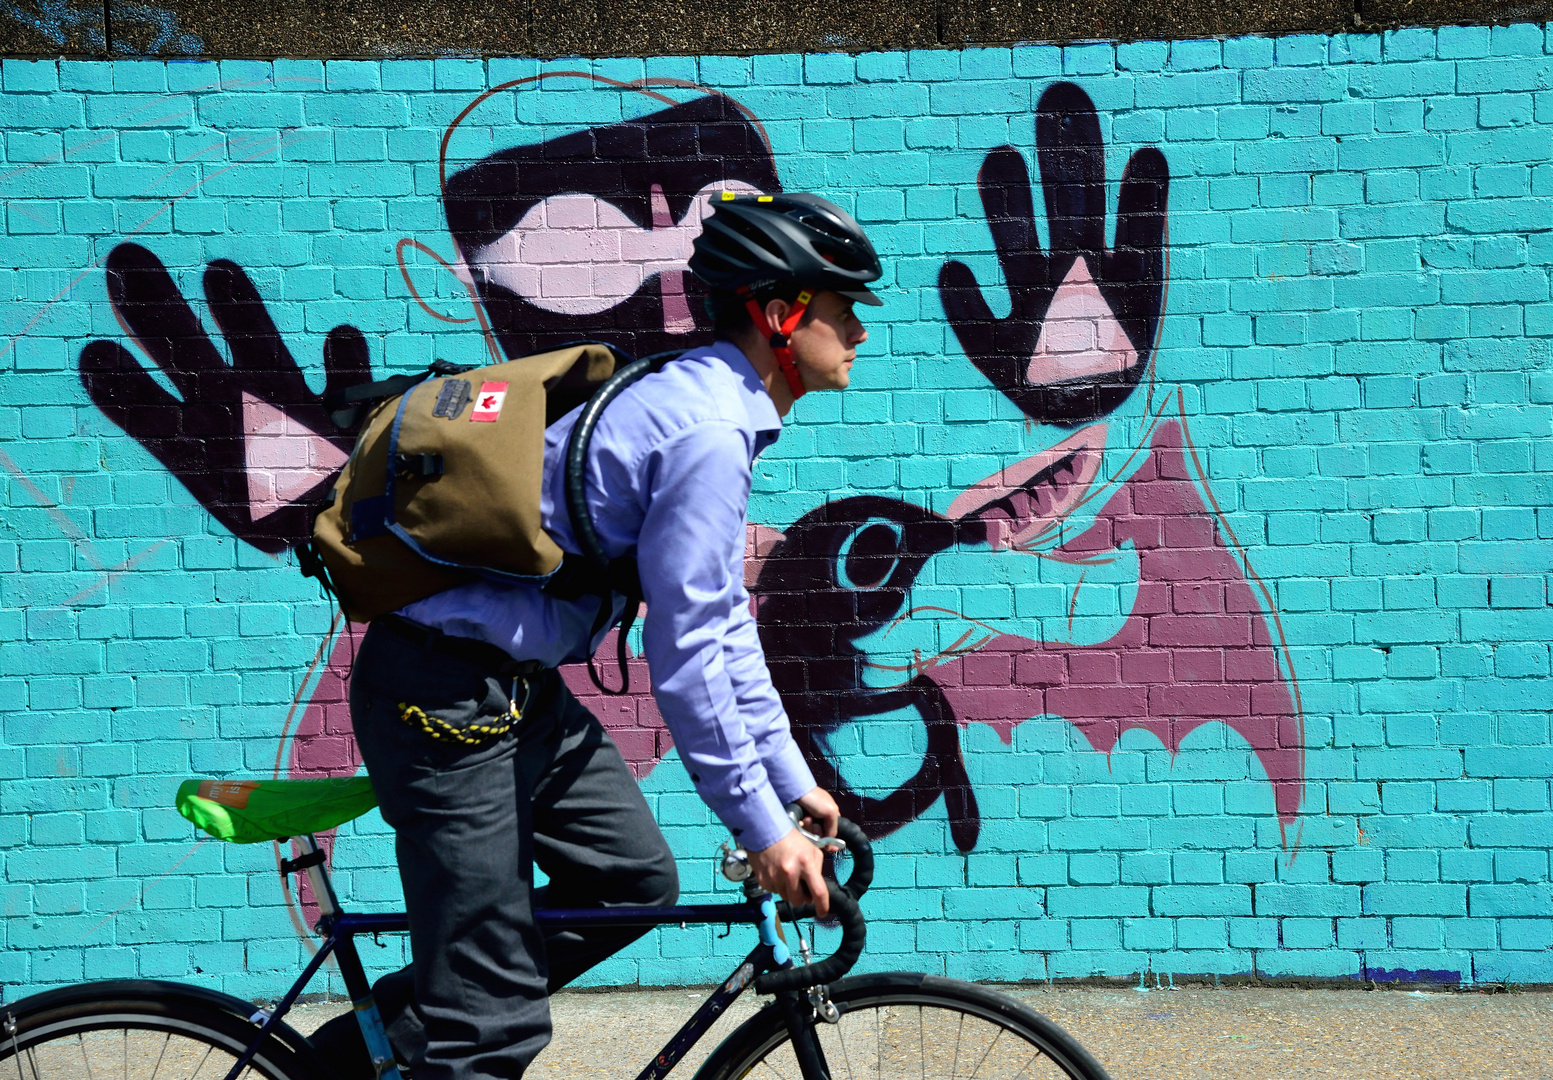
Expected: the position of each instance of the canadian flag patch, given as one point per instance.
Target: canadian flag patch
(488, 401)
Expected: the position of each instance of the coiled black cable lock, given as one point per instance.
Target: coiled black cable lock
(594, 572)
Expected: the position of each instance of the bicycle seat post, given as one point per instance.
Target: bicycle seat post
(311, 862)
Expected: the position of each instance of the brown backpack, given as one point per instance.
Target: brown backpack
(443, 486)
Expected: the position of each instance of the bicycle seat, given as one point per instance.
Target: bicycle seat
(250, 811)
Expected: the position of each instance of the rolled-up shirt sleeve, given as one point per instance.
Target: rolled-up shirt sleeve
(700, 641)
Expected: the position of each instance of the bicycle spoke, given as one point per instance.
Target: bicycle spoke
(166, 1038)
(1026, 1067)
(878, 1049)
(977, 1070)
(974, 1036)
(123, 1033)
(841, 1037)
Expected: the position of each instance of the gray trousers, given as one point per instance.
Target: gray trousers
(470, 822)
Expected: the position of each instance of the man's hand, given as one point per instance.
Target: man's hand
(821, 814)
(791, 866)
(791, 869)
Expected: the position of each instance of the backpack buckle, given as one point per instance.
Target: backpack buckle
(418, 466)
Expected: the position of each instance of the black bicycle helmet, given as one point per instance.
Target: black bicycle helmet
(762, 242)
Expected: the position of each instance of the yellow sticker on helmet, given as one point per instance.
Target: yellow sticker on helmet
(727, 196)
(763, 198)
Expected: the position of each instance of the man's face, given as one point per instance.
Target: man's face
(825, 344)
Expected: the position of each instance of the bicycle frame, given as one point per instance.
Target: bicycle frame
(340, 929)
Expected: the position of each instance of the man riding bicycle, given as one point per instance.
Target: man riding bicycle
(485, 764)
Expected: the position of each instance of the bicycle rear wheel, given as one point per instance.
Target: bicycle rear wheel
(140, 1029)
(904, 1026)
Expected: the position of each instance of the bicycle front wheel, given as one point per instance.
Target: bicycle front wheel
(141, 1029)
(904, 1026)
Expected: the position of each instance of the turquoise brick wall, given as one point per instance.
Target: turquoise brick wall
(1269, 694)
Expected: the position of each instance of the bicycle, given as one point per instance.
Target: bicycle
(821, 1025)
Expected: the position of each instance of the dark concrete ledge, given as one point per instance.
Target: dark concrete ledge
(551, 28)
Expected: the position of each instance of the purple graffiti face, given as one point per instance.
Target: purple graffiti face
(855, 623)
(587, 235)
(1148, 616)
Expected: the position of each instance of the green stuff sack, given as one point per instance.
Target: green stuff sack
(251, 811)
(444, 483)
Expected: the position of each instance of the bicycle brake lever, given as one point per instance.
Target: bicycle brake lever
(830, 845)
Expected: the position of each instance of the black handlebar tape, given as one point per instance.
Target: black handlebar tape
(854, 934)
(862, 853)
(577, 451)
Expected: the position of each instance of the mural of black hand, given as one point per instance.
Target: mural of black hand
(203, 438)
(1066, 382)
(841, 572)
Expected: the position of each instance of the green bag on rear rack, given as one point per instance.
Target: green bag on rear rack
(444, 483)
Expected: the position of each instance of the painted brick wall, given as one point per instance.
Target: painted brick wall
(1168, 596)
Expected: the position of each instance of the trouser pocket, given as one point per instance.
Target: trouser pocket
(433, 706)
(470, 723)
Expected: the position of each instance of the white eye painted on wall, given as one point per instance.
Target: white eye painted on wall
(577, 254)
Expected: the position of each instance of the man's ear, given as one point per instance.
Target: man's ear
(776, 311)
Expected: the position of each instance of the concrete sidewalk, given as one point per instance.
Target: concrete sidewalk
(1195, 1032)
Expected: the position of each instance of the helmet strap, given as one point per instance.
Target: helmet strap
(778, 338)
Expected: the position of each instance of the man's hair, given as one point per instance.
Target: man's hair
(730, 315)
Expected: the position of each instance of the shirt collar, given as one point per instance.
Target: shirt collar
(763, 416)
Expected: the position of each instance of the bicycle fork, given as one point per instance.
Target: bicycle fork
(801, 1021)
(802, 1029)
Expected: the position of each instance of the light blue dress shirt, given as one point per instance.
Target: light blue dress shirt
(669, 479)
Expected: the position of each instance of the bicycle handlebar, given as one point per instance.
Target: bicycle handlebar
(862, 853)
(844, 908)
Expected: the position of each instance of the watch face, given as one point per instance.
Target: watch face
(587, 235)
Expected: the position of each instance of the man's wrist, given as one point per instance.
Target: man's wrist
(758, 820)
